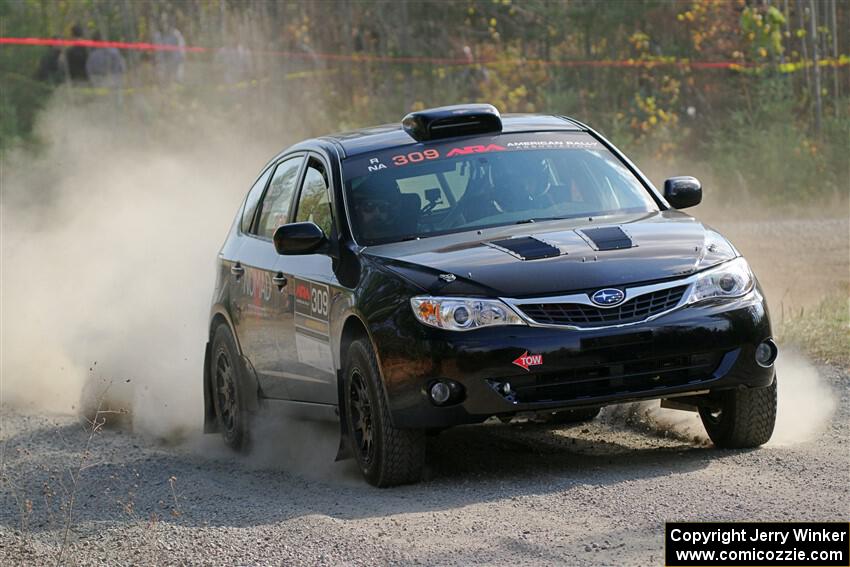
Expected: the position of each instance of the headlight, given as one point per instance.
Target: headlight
(462, 314)
(731, 279)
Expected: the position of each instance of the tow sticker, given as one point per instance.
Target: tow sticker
(525, 360)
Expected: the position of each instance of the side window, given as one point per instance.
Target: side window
(253, 198)
(276, 204)
(313, 204)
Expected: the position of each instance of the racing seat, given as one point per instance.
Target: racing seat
(478, 200)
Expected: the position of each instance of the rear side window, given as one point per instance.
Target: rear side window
(278, 200)
(314, 204)
(253, 199)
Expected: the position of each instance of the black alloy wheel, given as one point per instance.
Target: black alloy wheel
(228, 399)
(361, 417)
(386, 455)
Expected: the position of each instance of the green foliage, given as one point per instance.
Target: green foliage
(763, 149)
(823, 332)
(763, 30)
(753, 124)
(21, 95)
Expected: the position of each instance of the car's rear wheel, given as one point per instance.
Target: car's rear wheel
(226, 386)
(742, 418)
(566, 417)
(387, 456)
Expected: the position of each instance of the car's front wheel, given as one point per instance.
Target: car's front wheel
(228, 397)
(387, 456)
(742, 418)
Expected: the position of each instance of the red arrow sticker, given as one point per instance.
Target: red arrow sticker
(526, 360)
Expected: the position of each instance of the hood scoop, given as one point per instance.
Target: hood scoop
(525, 248)
(606, 238)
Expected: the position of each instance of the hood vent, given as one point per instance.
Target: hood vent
(526, 248)
(606, 238)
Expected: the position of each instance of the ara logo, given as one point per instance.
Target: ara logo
(302, 292)
(608, 297)
(475, 150)
(525, 360)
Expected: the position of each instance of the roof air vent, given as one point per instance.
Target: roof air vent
(450, 121)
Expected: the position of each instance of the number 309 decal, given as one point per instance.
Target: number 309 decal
(312, 299)
(415, 157)
(319, 303)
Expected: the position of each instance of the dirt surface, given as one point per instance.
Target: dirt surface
(589, 494)
(797, 261)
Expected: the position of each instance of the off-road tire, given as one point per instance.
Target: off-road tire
(230, 408)
(396, 456)
(745, 420)
(566, 417)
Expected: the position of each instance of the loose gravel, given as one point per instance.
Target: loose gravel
(495, 494)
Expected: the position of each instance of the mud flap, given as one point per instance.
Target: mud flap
(210, 422)
(344, 450)
(250, 385)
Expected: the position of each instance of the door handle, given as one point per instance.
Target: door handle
(280, 281)
(237, 270)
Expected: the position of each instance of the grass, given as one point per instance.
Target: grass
(822, 332)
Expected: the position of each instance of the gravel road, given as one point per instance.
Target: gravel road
(495, 494)
(514, 494)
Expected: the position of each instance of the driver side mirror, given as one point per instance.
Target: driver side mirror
(299, 238)
(683, 191)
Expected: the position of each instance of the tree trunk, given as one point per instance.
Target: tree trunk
(835, 84)
(804, 48)
(813, 25)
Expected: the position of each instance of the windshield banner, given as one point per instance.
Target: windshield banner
(402, 156)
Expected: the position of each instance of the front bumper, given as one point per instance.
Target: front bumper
(708, 346)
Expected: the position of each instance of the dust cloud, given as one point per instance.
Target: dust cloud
(109, 237)
(805, 407)
(806, 401)
(109, 240)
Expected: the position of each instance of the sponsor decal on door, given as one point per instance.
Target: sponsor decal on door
(312, 331)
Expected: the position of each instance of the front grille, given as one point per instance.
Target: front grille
(580, 315)
(626, 378)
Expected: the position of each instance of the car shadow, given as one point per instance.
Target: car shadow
(201, 483)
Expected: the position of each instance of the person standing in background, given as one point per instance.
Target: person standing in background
(169, 63)
(49, 69)
(75, 57)
(105, 66)
(106, 69)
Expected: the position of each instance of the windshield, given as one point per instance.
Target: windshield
(448, 186)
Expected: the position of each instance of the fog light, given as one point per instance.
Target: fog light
(440, 393)
(766, 353)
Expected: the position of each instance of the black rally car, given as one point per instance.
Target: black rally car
(463, 265)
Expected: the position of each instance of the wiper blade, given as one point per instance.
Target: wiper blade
(538, 219)
(405, 238)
